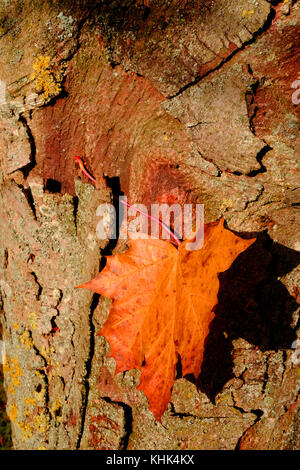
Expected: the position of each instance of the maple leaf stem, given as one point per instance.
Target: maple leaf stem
(87, 173)
(83, 169)
(155, 220)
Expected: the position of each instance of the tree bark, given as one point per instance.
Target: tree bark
(167, 101)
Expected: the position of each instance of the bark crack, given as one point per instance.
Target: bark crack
(258, 415)
(199, 124)
(127, 421)
(27, 168)
(266, 374)
(258, 33)
(252, 201)
(40, 288)
(209, 160)
(88, 366)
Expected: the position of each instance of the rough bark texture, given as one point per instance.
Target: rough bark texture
(171, 101)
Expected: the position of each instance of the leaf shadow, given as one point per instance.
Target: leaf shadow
(252, 304)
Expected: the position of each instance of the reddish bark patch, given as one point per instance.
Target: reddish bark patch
(97, 428)
(115, 122)
(272, 109)
(101, 125)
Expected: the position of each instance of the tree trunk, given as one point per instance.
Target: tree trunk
(167, 101)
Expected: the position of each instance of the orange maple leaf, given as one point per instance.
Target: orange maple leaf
(164, 298)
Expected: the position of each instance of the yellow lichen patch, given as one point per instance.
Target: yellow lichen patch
(26, 339)
(27, 412)
(16, 326)
(26, 430)
(47, 353)
(13, 374)
(47, 80)
(247, 14)
(30, 404)
(40, 422)
(12, 412)
(226, 203)
(29, 401)
(41, 448)
(6, 366)
(33, 320)
(54, 366)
